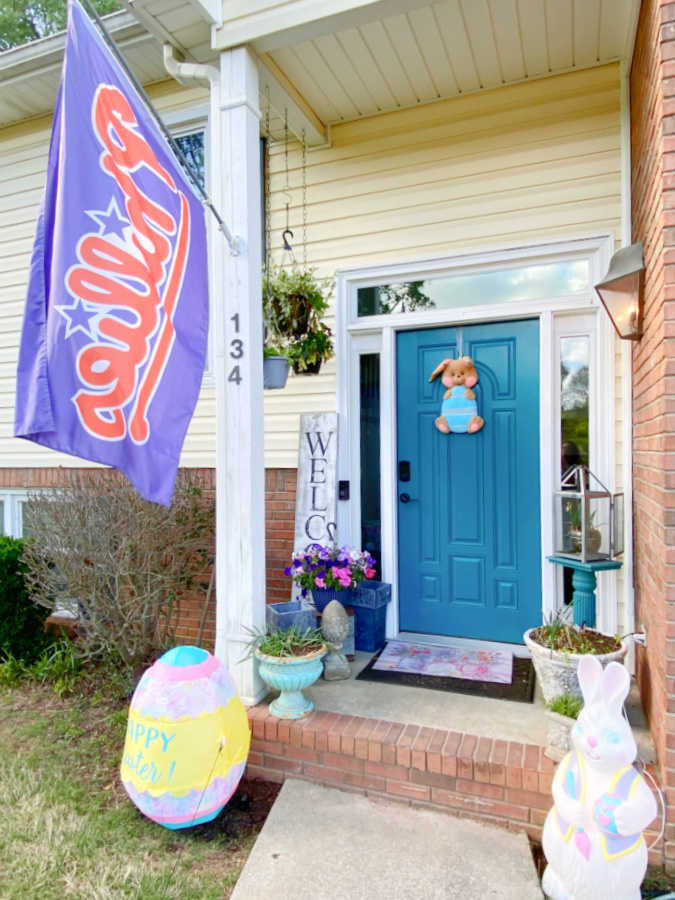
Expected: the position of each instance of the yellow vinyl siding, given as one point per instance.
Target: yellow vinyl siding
(23, 165)
(520, 164)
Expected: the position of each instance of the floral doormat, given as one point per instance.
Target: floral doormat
(520, 690)
(447, 662)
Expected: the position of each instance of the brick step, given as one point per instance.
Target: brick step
(498, 782)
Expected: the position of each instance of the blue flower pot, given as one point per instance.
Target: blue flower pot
(291, 676)
(323, 596)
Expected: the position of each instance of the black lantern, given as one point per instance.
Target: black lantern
(621, 291)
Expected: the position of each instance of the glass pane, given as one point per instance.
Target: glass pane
(192, 146)
(2, 517)
(574, 356)
(534, 282)
(370, 459)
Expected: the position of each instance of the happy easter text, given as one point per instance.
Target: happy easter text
(138, 734)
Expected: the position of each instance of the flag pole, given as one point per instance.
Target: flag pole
(206, 200)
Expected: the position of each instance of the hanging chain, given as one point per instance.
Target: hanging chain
(268, 185)
(304, 199)
(287, 185)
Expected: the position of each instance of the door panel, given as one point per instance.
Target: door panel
(469, 536)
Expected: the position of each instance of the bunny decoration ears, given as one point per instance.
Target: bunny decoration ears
(609, 687)
(441, 366)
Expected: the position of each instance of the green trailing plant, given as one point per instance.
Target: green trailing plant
(566, 705)
(22, 634)
(310, 349)
(285, 643)
(294, 304)
(271, 350)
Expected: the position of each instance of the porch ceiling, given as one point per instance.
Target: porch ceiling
(332, 61)
(427, 52)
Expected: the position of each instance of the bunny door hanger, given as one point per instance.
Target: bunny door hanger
(459, 412)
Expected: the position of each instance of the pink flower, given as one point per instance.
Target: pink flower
(370, 573)
(319, 582)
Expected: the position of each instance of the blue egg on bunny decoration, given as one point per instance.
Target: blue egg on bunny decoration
(592, 837)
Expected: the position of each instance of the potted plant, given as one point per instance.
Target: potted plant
(330, 573)
(558, 645)
(562, 713)
(294, 304)
(275, 367)
(290, 660)
(593, 536)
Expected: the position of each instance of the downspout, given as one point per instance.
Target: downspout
(190, 75)
(627, 366)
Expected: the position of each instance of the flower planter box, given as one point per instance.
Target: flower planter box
(285, 615)
(370, 601)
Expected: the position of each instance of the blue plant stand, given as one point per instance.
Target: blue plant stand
(584, 582)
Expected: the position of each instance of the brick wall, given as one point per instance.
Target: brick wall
(653, 183)
(496, 782)
(280, 487)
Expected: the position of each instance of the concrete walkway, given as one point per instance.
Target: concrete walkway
(323, 844)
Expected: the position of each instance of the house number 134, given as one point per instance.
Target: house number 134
(236, 351)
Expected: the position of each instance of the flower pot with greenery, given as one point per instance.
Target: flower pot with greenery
(275, 367)
(290, 661)
(562, 713)
(294, 304)
(575, 530)
(330, 573)
(558, 645)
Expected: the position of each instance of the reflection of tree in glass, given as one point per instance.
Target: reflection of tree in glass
(405, 296)
(192, 146)
(574, 403)
(574, 388)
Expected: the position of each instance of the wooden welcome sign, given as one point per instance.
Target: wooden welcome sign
(316, 502)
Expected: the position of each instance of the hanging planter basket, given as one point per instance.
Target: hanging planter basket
(310, 369)
(275, 372)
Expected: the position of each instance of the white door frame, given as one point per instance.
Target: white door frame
(578, 314)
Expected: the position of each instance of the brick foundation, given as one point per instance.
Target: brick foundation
(494, 781)
(653, 184)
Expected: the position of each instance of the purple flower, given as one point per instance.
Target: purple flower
(288, 572)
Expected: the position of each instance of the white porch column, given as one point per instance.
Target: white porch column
(240, 473)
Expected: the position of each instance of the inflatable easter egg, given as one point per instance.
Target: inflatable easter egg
(187, 739)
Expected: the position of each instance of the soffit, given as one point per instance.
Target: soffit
(30, 74)
(442, 50)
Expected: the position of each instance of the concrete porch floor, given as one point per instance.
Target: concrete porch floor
(496, 719)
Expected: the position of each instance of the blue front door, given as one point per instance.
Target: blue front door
(468, 504)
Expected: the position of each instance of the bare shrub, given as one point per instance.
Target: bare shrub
(120, 562)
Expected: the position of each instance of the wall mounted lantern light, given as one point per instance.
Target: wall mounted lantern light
(622, 289)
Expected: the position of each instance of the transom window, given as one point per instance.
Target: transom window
(539, 281)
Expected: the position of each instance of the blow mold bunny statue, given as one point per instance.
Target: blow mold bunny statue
(593, 835)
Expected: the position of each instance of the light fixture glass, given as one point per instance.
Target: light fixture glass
(621, 291)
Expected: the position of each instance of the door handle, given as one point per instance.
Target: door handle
(406, 498)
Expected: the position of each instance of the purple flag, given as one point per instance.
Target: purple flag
(116, 321)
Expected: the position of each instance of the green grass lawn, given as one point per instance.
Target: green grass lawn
(67, 829)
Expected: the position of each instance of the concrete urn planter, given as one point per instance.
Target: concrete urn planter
(291, 675)
(557, 671)
(559, 735)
